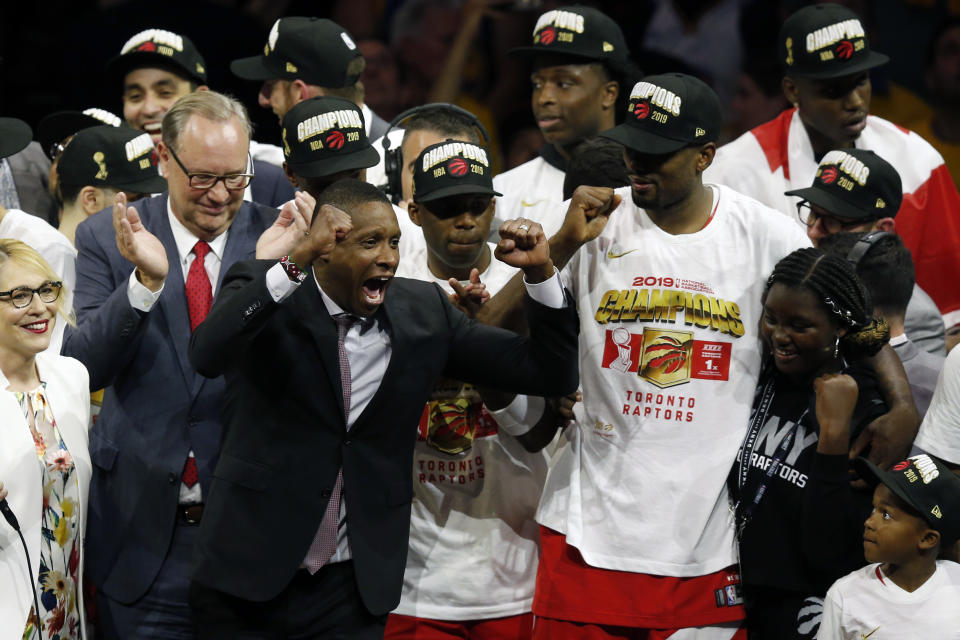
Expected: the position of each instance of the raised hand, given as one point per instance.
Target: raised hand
(523, 245)
(289, 227)
(836, 399)
(588, 213)
(470, 297)
(139, 246)
(330, 227)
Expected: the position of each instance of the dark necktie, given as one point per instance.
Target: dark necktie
(199, 292)
(325, 541)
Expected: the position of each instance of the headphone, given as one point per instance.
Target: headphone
(864, 244)
(393, 159)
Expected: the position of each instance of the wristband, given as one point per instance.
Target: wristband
(520, 416)
(293, 271)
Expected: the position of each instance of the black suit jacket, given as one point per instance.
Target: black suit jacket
(284, 428)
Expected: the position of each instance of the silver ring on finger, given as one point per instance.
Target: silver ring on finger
(524, 227)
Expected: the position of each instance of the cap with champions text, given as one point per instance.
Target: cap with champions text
(116, 157)
(452, 168)
(580, 32)
(324, 135)
(824, 41)
(15, 135)
(927, 485)
(668, 112)
(315, 50)
(855, 184)
(53, 129)
(160, 48)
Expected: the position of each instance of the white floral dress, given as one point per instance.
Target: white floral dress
(60, 541)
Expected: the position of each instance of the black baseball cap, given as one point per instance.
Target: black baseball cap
(324, 135)
(58, 126)
(855, 184)
(316, 50)
(578, 32)
(668, 112)
(825, 41)
(452, 168)
(15, 135)
(159, 48)
(927, 485)
(116, 157)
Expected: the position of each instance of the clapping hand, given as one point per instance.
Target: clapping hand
(139, 246)
(289, 227)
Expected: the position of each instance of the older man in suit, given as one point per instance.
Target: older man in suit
(146, 278)
(328, 365)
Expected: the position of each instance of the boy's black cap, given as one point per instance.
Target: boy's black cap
(580, 32)
(316, 50)
(15, 135)
(116, 157)
(825, 41)
(324, 135)
(60, 125)
(452, 168)
(855, 184)
(159, 48)
(668, 112)
(927, 485)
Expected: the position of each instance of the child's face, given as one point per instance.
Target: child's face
(891, 534)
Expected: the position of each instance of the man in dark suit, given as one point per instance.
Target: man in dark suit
(305, 533)
(146, 276)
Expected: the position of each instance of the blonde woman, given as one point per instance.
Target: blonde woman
(44, 463)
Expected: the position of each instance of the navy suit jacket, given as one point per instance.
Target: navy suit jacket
(270, 185)
(155, 407)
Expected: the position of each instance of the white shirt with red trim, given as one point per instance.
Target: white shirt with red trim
(639, 482)
(777, 156)
(474, 543)
(868, 604)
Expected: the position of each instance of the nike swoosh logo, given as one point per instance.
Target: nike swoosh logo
(613, 256)
(864, 637)
(524, 203)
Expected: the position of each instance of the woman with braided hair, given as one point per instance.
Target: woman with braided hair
(799, 522)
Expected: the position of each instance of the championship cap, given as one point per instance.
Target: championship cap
(159, 48)
(581, 32)
(452, 168)
(316, 50)
(825, 41)
(116, 157)
(855, 184)
(324, 135)
(60, 125)
(927, 485)
(15, 135)
(668, 112)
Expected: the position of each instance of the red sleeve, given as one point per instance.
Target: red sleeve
(929, 223)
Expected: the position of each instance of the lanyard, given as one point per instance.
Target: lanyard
(744, 509)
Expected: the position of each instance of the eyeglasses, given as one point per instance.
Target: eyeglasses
(232, 181)
(453, 206)
(23, 296)
(831, 224)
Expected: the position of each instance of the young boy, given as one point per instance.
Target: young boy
(907, 592)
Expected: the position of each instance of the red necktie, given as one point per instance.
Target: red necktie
(199, 292)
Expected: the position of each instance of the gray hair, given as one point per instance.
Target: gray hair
(206, 104)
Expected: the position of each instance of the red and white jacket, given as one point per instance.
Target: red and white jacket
(777, 156)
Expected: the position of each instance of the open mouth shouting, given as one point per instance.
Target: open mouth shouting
(374, 290)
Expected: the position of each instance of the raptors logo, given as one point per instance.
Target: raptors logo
(669, 353)
(548, 35)
(828, 175)
(902, 465)
(458, 167)
(335, 139)
(642, 110)
(147, 46)
(844, 49)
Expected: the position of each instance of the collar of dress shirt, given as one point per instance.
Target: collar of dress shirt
(185, 239)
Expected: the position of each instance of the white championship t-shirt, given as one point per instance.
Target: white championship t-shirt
(940, 432)
(639, 482)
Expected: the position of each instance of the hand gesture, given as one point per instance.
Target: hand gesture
(331, 226)
(524, 245)
(588, 213)
(139, 246)
(470, 297)
(836, 399)
(563, 407)
(289, 227)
